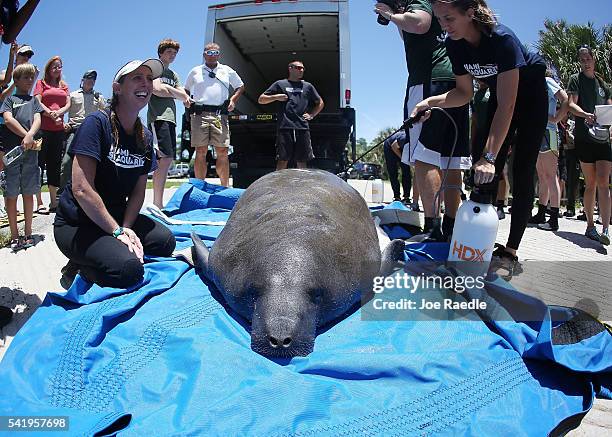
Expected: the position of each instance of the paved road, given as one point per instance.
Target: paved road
(547, 258)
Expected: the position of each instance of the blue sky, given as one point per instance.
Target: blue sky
(103, 35)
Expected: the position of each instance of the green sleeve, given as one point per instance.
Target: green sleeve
(420, 5)
(572, 85)
(177, 81)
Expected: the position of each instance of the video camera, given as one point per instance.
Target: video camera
(392, 4)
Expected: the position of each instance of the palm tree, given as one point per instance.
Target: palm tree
(559, 42)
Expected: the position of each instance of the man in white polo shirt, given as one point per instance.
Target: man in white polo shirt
(210, 86)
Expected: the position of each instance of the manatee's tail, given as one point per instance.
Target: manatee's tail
(392, 255)
(199, 253)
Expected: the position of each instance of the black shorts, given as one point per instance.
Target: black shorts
(166, 138)
(437, 134)
(590, 152)
(293, 144)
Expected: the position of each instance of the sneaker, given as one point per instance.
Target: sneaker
(501, 214)
(592, 234)
(504, 263)
(582, 217)
(415, 207)
(396, 199)
(604, 237)
(69, 272)
(537, 220)
(549, 226)
(569, 213)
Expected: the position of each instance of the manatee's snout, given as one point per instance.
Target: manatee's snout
(283, 335)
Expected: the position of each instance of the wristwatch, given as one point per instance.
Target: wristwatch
(118, 231)
(489, 157)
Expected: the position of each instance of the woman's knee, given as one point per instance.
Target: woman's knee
(130, 273)
(161, 242)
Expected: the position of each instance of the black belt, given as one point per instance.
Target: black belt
(218, 109)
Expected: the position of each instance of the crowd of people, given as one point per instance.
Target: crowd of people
(458, 53)
(97, 159)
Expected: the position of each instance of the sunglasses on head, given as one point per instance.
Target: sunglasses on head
(296, 67)
(212, 52)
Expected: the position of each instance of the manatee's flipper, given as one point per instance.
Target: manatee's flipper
(185, 254)
(199, 254)
(391, 257)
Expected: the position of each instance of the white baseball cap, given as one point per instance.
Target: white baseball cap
(25, 49)
(154, 64)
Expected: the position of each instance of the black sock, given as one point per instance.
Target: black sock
(448, 223)
(430, 223)
(541, 210)
(554, 216)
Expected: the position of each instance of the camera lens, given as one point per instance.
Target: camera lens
(382, 20)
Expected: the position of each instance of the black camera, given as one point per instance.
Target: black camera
(392, 4)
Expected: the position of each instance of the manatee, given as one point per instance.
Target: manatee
(298, 250)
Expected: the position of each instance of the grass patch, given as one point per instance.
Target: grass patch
(5, 238)
(169, 184)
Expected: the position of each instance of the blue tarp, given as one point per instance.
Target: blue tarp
(167, 358)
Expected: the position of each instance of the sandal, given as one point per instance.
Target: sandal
(15, 244)
(27, 241)
(42, 209)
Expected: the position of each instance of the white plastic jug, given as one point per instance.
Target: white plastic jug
(378, 191)
(474, 236)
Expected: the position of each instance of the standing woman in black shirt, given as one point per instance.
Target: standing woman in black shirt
(479, 47)
(587, 90)
(98, 226)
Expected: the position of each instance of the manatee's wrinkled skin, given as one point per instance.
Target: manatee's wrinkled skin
(297, 250)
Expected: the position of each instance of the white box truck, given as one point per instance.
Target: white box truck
(258, 38)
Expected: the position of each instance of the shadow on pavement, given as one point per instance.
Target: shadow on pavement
(23, 306)
(582, 241)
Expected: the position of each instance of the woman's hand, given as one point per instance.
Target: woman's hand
(131, 240)
(589, 118)
(422, 107)
(484, 172)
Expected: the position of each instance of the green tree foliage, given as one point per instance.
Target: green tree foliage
(559, 42)
(377, 155)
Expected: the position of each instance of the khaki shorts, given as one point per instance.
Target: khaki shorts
(208, 129)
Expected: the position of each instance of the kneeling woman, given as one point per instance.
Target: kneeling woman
(97, 225)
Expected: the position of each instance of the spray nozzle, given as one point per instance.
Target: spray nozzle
(409, 122)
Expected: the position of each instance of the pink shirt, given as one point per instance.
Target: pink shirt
(53, 98)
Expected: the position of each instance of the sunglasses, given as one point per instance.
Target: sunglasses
(296, 67)
(212, 52)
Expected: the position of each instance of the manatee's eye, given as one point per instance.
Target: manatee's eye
(316, 295)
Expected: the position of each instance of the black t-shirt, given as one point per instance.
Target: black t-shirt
(302, 96)
(117, 171)
(497, 53)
